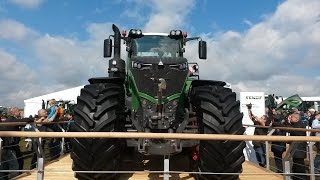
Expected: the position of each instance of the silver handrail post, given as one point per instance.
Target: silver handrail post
(166, 174)
(267, 150)
(287, 158)
(39, 152)
(62, 139)
(0, 149)
(310, 156)
(40, 169)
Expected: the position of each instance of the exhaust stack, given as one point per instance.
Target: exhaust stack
(117, 66)
(117, 42)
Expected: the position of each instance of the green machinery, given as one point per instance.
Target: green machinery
(289, 103)
(156, 90)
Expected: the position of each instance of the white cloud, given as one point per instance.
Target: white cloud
(14, 30)
(14, 74)
(278, 54)
(168, 14)
(27, 3)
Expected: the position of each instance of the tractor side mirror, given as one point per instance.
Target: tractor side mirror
(202, 49)
(107, 48)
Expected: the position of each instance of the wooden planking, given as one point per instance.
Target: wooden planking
(64, 166)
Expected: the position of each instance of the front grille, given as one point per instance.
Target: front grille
(174, 77)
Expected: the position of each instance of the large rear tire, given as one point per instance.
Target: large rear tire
(100, 108)
(218, 113)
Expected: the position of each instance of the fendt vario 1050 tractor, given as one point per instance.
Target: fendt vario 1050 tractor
(156, 90)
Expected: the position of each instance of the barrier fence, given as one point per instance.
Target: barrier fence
(40, 153)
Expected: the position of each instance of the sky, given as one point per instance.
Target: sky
(50, 45)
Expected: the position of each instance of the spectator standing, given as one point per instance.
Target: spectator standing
(53, 110)
(42, 117)
(311, 115)
(69, 118)
(258, 146)
(278, 148)
(11, 154)
(294, 120)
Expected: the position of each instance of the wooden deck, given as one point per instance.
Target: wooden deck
(61, 169)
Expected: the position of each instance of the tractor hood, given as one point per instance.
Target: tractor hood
(147, 71)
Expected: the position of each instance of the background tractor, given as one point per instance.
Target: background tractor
(156, 90)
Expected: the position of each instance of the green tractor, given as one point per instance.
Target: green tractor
(156, 90)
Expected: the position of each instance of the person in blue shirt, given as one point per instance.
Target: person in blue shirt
(53, 111)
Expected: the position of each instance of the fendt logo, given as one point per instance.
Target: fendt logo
(253, 97)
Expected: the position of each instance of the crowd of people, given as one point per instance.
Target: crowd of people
(11, 157)
(292, 119)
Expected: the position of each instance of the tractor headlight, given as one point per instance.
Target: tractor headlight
(175, 34)
(135, 65)
(135, 33)
(196, 67)
(172, 32)
(182, 66)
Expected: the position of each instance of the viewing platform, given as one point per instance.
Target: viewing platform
(61, 169)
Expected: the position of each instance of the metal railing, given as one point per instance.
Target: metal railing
(287, 164)
(37, 145)
(286, 172)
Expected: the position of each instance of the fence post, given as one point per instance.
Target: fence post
(62, 140)
(287, 158)
(287, 170)
(267, 150)
(0, 149)
(311, 160)
(37, 146)
(40, 169)
(166, 168)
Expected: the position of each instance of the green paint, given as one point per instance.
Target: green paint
(135, 100)
(173, 97)
(148, 97)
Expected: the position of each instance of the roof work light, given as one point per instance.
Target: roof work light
(135, 33)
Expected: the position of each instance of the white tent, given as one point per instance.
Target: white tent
(31, 106)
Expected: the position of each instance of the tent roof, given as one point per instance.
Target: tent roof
(67, 94)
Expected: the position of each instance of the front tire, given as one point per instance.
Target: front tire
(100, 108)
(218, 113)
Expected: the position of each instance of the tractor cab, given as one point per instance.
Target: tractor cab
(155, 45)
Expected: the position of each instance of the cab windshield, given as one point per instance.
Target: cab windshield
(155, 46)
